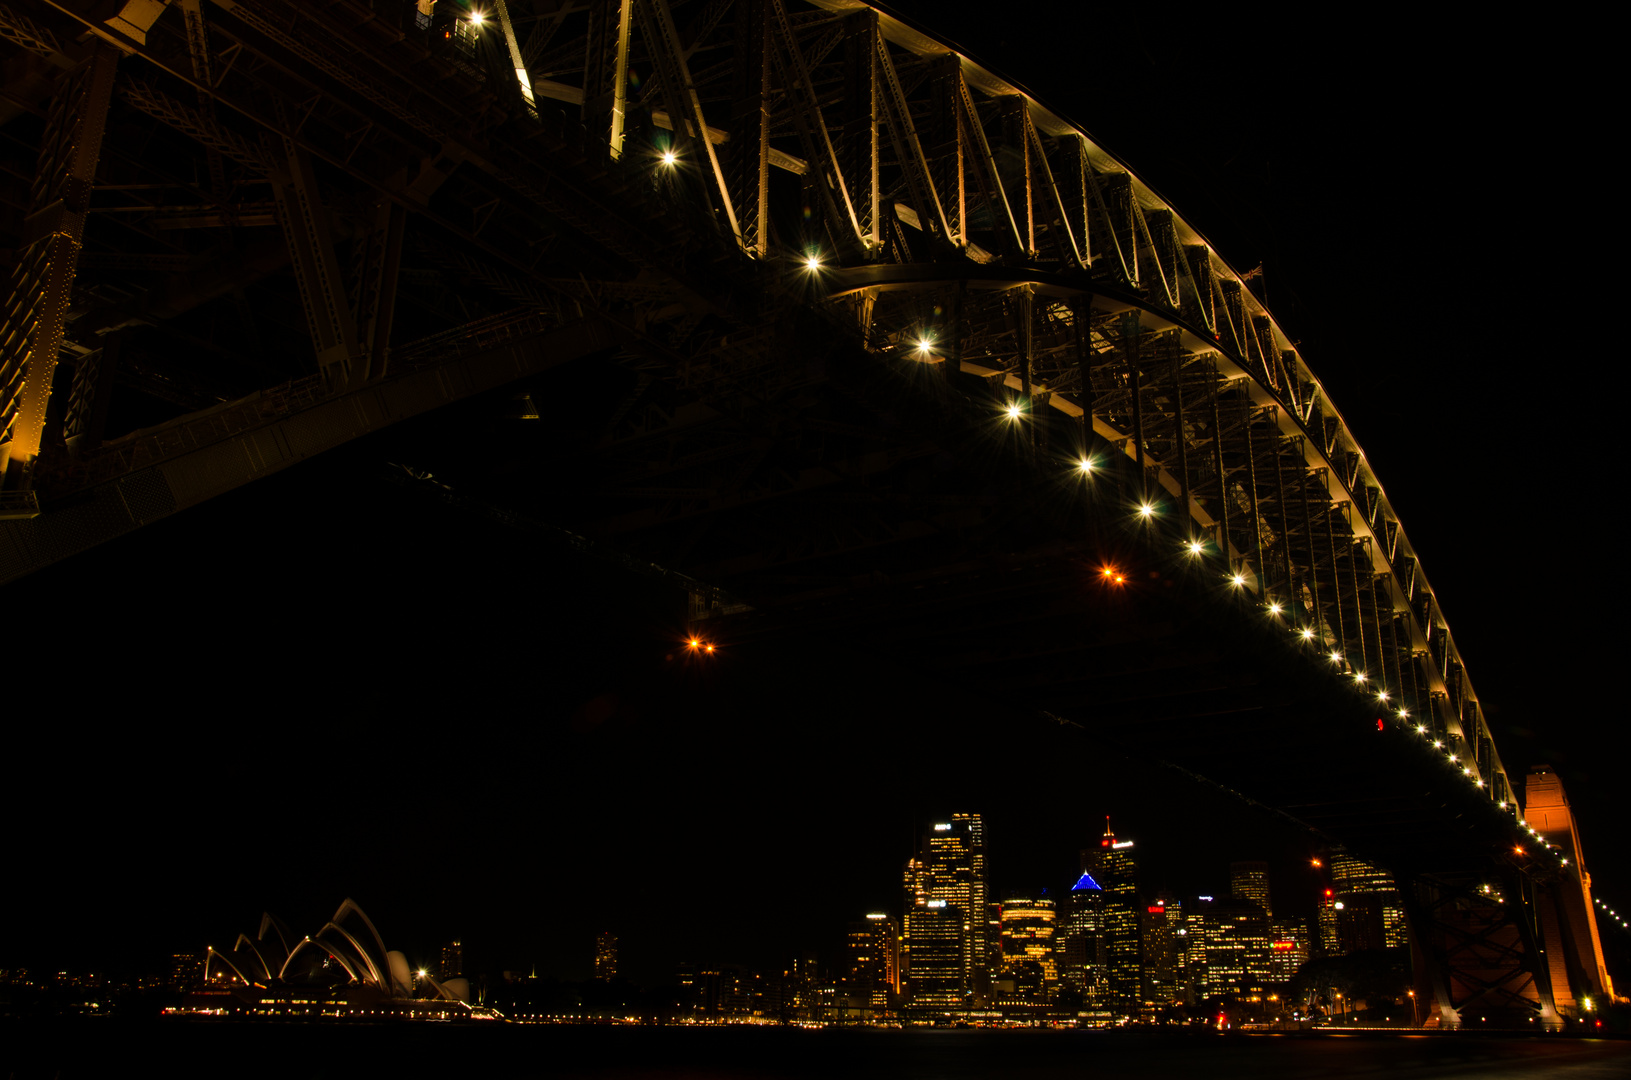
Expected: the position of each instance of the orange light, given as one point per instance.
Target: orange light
(695, 643)
(1317, 863)
(709, 648)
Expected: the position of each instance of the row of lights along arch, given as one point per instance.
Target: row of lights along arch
(1195, 549)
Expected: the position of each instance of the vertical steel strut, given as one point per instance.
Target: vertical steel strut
(48, 255)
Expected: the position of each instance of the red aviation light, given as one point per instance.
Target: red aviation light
(1379, 724)
(1104, 843)
(1328, 892)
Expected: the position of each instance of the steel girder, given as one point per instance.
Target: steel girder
(48, 251)
(926, 180)
(940, 203)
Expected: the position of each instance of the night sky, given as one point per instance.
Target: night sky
(322, 686)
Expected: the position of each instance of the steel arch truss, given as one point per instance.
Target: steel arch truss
(945, 216)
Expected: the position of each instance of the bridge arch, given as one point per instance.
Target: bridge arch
(929, 180)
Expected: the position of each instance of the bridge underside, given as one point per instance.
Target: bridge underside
(840, 360)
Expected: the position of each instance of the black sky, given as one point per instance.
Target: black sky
(320, 686)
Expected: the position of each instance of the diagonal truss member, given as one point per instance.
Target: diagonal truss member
(42, 278)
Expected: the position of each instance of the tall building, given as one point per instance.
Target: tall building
(946, 890)
(1232, 938)
(1079, 941)
(605, 956)
(452, 959)
(1250, 881)
(1112, 865)
(1028, 928)
(1164, 938)
(874, 961)
(1329, 907)
(932, 956)
(1289, 947)
(1367, 908)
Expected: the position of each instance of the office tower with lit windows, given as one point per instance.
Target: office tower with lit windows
(874, 962)
(1370, 912)
(452, 959)
(945, 889)
(1029, 924)
(605, 956)
(1079, 940)
(1250, 881)
(1289, 947)
(993, 934)
(1164, 939)
(1112, 865)
(1330, 906)
(932, 957)
(1232, 937)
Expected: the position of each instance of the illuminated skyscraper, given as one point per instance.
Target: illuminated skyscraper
(1289, 947)
(1113, 867)
(1250, 881)
(1162, 930)
(874, 962)
(932, 955)
(1233, 938)
(946, 892)
(606, 956)
(1329, 907)
(1028, 926)
(452, 959)
(1367, 911)
(1079, 940)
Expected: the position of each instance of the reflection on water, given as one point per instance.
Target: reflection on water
(107, 1048)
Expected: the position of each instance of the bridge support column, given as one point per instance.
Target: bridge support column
(316, 270)
(378, 261)
(606, 72)
(87, 413)
(1431, 990)
(47, 257)
(1567, 916)
(747, 155)
(1476, 951)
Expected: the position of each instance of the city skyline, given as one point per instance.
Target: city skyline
(1307, 891)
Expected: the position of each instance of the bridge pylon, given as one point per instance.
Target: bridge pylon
(1567, 917)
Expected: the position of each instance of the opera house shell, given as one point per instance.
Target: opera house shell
(342, 971)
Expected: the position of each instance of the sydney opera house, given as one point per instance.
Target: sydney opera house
(344, 971)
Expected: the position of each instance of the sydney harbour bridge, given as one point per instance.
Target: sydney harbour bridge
(801, 307)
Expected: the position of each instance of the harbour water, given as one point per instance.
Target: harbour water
(68, 1048)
